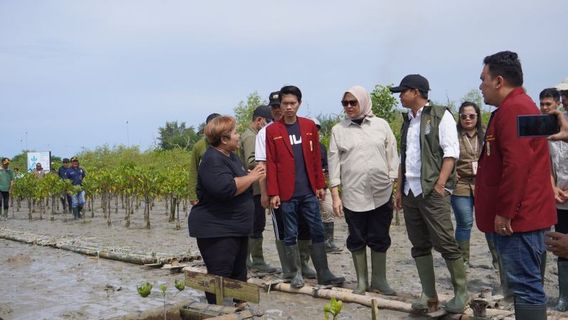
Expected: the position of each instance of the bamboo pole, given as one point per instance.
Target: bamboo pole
(347, 296)
(119, 254)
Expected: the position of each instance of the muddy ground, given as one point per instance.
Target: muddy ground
(47, 283)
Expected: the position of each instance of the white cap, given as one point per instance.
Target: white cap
(562, 86)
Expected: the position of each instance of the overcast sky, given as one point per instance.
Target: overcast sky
(81, 74)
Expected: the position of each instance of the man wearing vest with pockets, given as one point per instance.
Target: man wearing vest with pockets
(429, 150)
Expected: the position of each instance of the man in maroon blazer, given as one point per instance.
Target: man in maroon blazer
(514, 202)
(295, 182)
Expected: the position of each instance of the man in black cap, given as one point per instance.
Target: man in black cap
(65, 198)
(260, 117)
(196, 154)
(427, 176)
(304, 238)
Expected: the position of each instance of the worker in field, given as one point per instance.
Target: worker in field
(76, 174)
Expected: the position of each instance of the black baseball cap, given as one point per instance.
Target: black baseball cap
(211, 117)
(65, 160)
(274, 99)
(412, 81)
(262, 111)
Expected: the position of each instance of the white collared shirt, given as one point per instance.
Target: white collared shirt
(448, 142)
(260, 144)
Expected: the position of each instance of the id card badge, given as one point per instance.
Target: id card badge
(474, 167)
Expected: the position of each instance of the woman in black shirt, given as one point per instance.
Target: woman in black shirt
(222, 220)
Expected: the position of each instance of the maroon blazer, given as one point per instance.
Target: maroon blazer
(280, 170)
(513, 177)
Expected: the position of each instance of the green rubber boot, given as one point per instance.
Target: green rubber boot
(258, 264)
(360, 263)
(464, 248)
(304, 247)
(379, 281)
(428, 300)
(324, 275)
(330, 247)
(286, 274)
(293, 257)
(461, 297)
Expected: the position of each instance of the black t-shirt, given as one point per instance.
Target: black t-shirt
(219, 213)
(302, 183)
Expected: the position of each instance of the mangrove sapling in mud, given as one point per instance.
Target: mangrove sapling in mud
(145, 288)
(333, 307)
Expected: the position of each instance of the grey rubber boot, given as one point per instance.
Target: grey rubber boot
(379, 281)
(428, 300)
(562, 304)
(76, 214)
(304, 247)
(293, 257)
(360, 263)
(330, 247)
(461, 297)
(530, 311)
(464, 248)
(319, 257)
(286, 274)
(258, 264)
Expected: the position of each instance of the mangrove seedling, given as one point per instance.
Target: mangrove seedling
(144, 289)
(333, 307)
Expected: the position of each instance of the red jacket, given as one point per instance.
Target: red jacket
(513, 178)
(280, 170)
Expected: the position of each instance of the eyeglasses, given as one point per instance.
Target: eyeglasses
(347, 103)
(471, 116)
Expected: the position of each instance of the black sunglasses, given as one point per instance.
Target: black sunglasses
(346, 103)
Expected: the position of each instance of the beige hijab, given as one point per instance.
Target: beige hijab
(364, 100)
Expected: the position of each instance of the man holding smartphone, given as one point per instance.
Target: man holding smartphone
(514, 203)
(550, 101)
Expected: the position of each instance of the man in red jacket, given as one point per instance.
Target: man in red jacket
(295, 182)
(514, 202)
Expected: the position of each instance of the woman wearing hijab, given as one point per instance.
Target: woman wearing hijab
(363, 160)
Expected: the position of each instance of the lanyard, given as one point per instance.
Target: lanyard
(471, 146)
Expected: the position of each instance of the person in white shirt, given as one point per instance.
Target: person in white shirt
(427, 176)
(363, 160)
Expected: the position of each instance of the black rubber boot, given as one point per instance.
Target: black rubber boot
(330, 247)
(319, 257)
(562, 304)
(293, 257)
(530, 311)
(304, 247)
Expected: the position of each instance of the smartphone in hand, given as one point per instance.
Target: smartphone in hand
(538, 125)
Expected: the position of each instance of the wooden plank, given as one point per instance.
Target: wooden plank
(241, 290)
(227, 287)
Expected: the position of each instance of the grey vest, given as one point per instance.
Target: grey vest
(431, 154)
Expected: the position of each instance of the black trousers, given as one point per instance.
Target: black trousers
(369, 228)
(224, 257)
(562, 225)
(278, 222)
(259, 219)
(4, 201)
